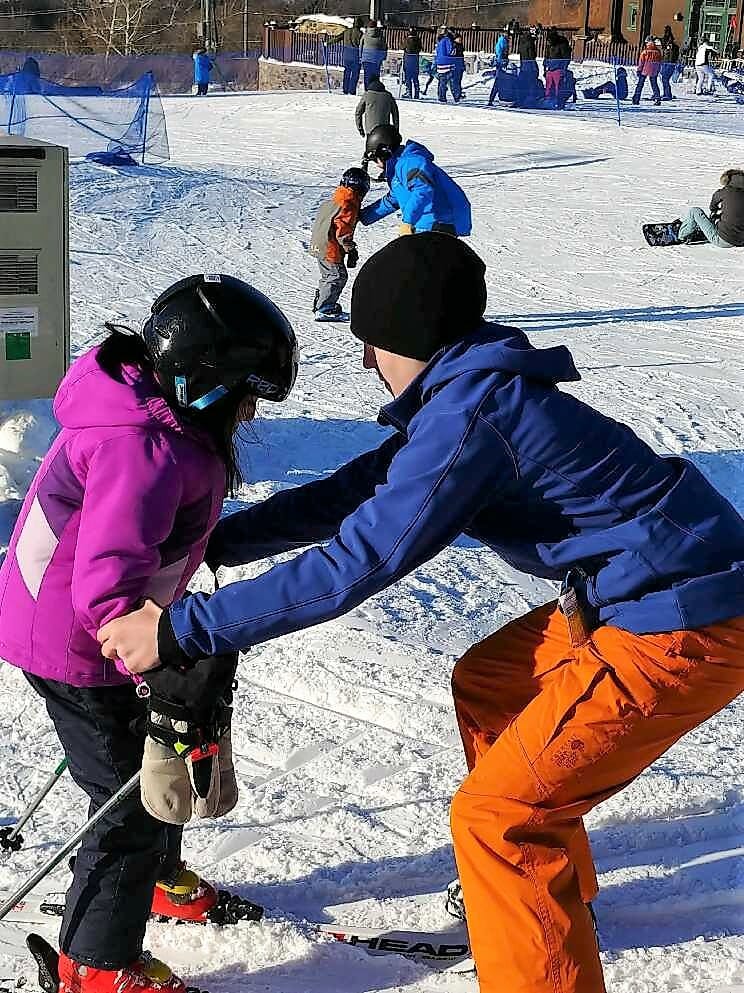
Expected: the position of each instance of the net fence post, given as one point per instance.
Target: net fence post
(12, 105)
(150, 83)
(617, 91)
(325, 63)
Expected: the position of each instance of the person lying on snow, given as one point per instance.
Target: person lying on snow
(559, 709)
(121, 509)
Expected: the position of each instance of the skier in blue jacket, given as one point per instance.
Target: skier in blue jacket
(444, 60)
(202, 68)
(428, 199)
(559, 709)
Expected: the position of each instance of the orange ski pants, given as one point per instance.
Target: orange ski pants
(550, 731)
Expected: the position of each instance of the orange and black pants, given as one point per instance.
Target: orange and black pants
(551, 730)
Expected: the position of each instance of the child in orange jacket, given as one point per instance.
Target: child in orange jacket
(332, 242)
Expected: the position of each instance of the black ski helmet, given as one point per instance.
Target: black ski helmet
(212, 335)
(356, 179)
(382, 142)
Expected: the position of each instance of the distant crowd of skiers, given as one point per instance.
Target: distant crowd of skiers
(365, 50)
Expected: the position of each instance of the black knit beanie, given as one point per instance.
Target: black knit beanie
(417, 294)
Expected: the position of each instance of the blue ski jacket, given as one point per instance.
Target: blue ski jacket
(486, 445)
(202, 67)
(424, 193)
(444, 52)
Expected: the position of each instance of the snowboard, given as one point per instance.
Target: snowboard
(666, 234)
(341, 318)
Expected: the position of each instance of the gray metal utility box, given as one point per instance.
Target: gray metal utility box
(34, 267)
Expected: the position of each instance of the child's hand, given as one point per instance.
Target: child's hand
(133, 638)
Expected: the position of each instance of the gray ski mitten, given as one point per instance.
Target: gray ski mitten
(165, 787)
(187, 766)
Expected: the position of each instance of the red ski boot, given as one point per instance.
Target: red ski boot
(183, 896)
(147, 975)
(58, 973)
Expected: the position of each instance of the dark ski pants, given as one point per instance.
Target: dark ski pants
(654, 88)
(411, 74)
(371, 71)
(352, 68)
(445, 82)
(121, 858)
(333, 279)
(202, 89)
(667, 71)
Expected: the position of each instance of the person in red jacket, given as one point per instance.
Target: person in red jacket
(332, 242)
(649, 66)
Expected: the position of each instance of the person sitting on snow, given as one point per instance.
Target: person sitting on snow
(619, 91)
(725, 226)
(558, 710)
(332, 242)
(428, 199)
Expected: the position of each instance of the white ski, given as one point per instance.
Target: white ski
(440, 949)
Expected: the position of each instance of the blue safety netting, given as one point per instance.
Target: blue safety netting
(85, 118)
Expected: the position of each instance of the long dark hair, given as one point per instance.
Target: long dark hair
(219, 421)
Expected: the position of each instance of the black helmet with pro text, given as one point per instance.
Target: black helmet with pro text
(213, 335)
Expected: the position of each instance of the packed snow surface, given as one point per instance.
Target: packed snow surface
(345, 741)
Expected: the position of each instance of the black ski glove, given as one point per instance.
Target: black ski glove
(352, 259)
(187, 765)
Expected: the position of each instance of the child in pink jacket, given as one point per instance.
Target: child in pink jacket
(121, 509)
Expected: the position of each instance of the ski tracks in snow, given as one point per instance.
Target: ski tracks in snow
(345, 741)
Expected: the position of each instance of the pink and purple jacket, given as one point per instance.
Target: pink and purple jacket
(121, 508)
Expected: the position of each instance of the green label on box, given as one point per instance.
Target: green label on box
(17, 345)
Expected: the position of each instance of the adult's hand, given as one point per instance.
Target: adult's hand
(133, 638)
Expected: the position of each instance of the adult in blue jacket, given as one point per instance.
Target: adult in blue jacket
(202, 69)
(428, 199)
(444, 60)
(559, 709)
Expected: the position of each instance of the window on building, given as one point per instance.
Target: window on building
(712, 26)
(633, 17)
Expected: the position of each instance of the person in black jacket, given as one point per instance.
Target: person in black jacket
(557, 59)
(458, 62)
(526, 47)
(669, 62)
(725, 226)
(352, 66)
(411, 55)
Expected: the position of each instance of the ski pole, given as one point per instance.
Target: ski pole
(41, 873)
(11, 839)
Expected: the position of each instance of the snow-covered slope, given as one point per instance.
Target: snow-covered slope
(346, 746)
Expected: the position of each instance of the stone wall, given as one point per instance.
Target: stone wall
(293, 76)
(273, 75)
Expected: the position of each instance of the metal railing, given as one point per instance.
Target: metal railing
(286, 45)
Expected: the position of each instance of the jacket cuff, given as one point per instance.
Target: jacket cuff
(169, 651)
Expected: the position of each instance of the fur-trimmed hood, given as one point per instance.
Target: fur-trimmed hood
(733, 178)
